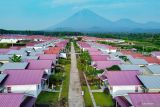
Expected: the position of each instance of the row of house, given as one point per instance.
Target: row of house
(21, 82)
(136, 83)
(94, 39)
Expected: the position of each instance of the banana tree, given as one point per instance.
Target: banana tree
(16, 58)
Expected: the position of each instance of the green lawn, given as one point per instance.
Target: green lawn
(65, 87)
(94, 87)
(103, 99)
(57, 87)
(47, 98)
(87, 97)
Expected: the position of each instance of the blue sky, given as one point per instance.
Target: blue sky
(40, 14)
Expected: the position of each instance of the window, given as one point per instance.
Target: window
(38, 86)
(136, 89)
(9, 89)
(111, 88)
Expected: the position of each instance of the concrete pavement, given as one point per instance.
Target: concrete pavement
(75, 97)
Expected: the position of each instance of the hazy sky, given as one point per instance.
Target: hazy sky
(39, 14)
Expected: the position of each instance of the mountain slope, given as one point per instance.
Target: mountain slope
(88, 21)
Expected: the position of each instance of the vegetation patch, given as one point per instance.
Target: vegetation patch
(47, 98)
(103, 99)
(65, 87)
(114, 68)
(87, 97)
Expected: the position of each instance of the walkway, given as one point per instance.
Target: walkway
(75, 97)
(90, 92)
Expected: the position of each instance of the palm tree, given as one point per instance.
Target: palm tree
(16, 58)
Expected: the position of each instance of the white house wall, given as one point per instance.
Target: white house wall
(122, 90)
(154, 90)
(31, 90)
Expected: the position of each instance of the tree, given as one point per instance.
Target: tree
(114, 68)
(85, 58)
(59, 68)
(16, 58)
(56, 78)
(124, 58)
(79, 38)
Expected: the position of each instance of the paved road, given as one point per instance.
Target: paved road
(75, 97)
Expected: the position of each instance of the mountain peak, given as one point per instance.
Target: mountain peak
(85, 12)
(125, 20)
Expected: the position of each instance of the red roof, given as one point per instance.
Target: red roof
(133, 54)
(136, 55)
(126, 52)
(151, 59)
(52, 50)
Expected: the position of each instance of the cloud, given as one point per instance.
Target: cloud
(74, 4)
(105, 5)
(57, 3)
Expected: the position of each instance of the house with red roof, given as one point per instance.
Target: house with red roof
(16, 100)
(52, 50)
(136, 55)
(151, 60)
(121, 83)
(29, 82)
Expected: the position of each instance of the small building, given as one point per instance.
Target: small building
(151, 83)
(29, 82)
(8, 40)
(122, 83)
